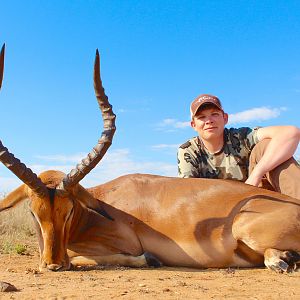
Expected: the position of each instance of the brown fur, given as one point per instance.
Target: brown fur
(183, 222)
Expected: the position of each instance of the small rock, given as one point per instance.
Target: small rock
(31, 271)
(142, 285)
(182, 283)
(10, 270)
(7, 287)
(229, 271)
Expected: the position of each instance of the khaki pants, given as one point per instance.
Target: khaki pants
(284, 179)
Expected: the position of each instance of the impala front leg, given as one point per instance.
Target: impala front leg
(144, 260)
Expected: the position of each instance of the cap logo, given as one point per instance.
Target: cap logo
(203, 98)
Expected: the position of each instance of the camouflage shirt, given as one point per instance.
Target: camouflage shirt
(231, 162)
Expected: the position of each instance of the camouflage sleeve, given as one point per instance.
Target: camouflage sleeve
(249, 136)
(187, 165)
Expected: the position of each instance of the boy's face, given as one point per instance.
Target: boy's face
(209, 122)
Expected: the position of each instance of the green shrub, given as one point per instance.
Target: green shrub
(16, 230)
(20, 249)
(9, 247)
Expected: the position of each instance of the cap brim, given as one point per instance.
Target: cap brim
(206, 103)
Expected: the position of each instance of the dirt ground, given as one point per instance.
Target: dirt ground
(126, 283)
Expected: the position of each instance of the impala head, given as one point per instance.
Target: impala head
(52, 193)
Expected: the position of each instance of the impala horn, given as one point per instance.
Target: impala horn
(14, 164)
(2, 64)
(94, 157)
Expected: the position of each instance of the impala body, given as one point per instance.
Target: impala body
(147, 220)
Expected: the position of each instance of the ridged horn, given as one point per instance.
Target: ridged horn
(2, 64)
(94, 157)
(13, 163)
(22, 172)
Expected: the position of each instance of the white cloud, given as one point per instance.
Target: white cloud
(115, 163)
(297, 153)
(182, 124)
(166, 124)
(255, 114)
(7, 184)
(38, 168)
(169, 149)
(250, 115)
(165, 146)
(119, 162)
(62, 158)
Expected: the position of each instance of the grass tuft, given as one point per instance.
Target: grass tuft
(17, 230)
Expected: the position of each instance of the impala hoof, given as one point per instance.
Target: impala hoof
(54, 267)
(152, 261)
(281, 261)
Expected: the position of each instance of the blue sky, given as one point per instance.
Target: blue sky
(156, 57)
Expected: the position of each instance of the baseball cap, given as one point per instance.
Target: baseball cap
(204, 99)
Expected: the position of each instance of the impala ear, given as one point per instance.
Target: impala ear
(87, 199)
(14, 198)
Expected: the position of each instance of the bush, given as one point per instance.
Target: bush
(16, 229)
(10, 247)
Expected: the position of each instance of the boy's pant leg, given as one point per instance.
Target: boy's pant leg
(284, 179)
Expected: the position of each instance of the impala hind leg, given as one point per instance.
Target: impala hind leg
(145, 260)
(281, 261)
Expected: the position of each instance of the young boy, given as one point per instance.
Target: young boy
(260, 156)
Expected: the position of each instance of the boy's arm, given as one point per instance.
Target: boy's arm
(186, 164)
(284, 141)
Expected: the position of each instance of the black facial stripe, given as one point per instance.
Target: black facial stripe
(51, 195)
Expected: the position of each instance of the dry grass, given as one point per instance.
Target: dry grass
(17, 230)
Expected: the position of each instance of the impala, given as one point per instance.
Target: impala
(147, 220)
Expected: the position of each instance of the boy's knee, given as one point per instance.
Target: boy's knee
(257, 152)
